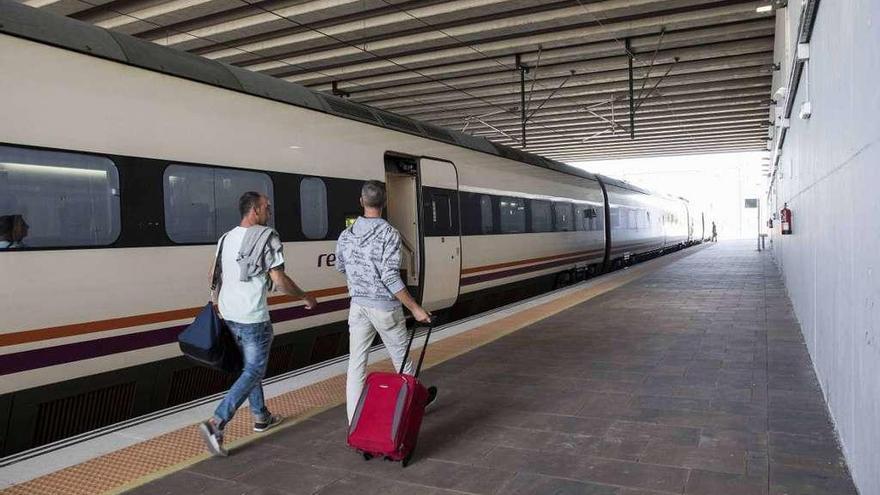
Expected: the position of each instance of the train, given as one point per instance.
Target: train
(121, 163)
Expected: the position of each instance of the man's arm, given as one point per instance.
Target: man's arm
(389, 271)
(274, 258)
(286, 285)
(417, 311)
(393, 282)
(340, 254)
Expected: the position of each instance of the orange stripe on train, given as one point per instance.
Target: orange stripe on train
(27, 336)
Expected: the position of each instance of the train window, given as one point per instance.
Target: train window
(582, 217)
(581, 220)
(229, 185)
(313, 208)
(615, 217)
(202, 202)
(440, 213)
(591, 219)
(513, 215)
(441, 208)
(57, 199)
(542, 221)
(487, 221)
(564, 217)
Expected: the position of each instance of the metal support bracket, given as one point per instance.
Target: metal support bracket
(613, 126)
(522, 96)
(553, 93)
(654, 87)
(479, 118)
(632, 103)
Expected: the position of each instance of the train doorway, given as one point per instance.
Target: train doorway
(423, 207)
(402, 188)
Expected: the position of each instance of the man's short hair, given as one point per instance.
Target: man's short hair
(248, 202)
(373, 194)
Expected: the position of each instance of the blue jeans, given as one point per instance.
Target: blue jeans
(255, 341)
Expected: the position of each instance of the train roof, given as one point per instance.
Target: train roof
(26, 22)
(623, 184)
(632, 187)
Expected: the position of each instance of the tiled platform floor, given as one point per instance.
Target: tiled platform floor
(693, 379)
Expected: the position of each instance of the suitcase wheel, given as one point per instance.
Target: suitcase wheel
(367, 456)
(406, 460)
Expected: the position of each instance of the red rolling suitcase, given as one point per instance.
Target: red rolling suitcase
(389, 413)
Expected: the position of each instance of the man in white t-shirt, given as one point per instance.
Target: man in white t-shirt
(250, 262)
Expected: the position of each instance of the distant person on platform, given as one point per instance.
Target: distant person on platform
(714, 233)
(368, 253)
(251, 263)
(13, 230)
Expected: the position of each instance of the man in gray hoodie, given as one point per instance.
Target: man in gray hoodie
(368, 253)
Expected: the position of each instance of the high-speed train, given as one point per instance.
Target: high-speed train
(121, 163)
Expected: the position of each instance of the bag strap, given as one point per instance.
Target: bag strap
(218, 260)
(424, 348)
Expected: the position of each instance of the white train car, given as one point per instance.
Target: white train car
(121, 163)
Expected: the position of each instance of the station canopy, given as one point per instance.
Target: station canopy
(570, 80)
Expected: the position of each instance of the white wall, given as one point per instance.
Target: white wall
(829, 173)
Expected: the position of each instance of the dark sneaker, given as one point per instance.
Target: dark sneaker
(273, 421)
(432, 396)
(213, 438)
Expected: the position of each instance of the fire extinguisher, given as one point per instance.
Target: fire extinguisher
(785, 219)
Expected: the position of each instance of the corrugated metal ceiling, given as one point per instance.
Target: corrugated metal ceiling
(701, 68)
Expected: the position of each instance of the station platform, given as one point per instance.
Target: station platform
(684, 374)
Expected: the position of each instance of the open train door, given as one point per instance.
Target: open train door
(440, 233)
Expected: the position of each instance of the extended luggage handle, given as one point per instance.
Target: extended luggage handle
(424, 348)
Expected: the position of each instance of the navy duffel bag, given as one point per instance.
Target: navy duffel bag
(209, 342)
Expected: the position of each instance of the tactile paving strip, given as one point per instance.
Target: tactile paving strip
(154, 458)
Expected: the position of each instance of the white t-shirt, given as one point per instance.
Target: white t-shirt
(242, 302)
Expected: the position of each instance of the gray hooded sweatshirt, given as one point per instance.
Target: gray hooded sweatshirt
(368, 253)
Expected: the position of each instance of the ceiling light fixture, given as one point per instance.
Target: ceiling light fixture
(764, 8)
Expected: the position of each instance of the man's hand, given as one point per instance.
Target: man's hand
(415, 308)
(421, 315)
(310, 300)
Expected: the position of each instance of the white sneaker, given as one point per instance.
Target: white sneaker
(213, 438)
